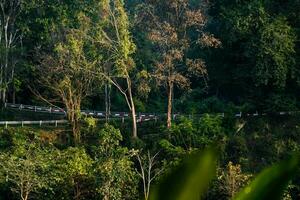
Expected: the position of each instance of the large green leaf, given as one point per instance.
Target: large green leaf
(271, 182)
(189, 180)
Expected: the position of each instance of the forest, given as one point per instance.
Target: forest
(149, 99)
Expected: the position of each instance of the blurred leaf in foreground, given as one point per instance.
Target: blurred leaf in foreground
(189, 180)
(271, 183)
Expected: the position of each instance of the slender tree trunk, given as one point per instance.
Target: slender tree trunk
(73, 115)
(13, 88)
(133, 112)
(134, 126)
(107, 102)
(13, 96)
(4, 95)
(7, 50)
(5, 75)
(170, 101)
(1, 81)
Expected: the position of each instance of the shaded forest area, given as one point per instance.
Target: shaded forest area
(187, 57)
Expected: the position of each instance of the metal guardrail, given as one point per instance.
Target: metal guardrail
(60, 111)
(40, 123)
(140, 116)
(55, 122)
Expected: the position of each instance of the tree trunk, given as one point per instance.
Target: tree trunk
(13, 96)
(77, 193)
(74, 117)
(76, 132)
(107, 101)
(4, 91)
(7, 49)
(4, 96)
(25, 196)
(1, 82)
(134, 126)
(170, 100)
(133, 112)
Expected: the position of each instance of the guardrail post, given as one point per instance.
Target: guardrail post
(22, 123)
(56, 123)
(41, 123)
(6, 124)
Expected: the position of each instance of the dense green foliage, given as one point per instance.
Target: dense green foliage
(174, 56)
(42, 164)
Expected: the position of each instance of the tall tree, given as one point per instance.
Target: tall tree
(67, 72)
(175, 27)
(10, 40)
(116, 44)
